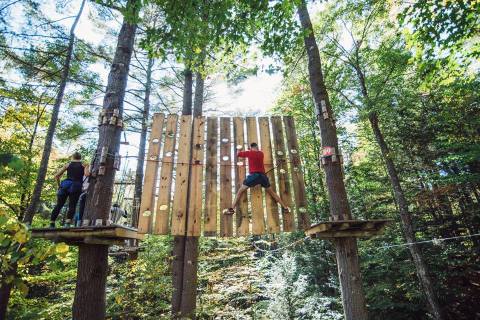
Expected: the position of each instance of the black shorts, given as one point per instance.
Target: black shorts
(256, 178)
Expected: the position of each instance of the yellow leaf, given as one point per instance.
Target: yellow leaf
(61, 248)
(198, 50)
(23, 288)
(21, 236)
(118, 299)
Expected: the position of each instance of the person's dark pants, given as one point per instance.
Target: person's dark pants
(81, 205)
(61, 199)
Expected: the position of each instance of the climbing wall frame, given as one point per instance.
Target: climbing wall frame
(198, 173)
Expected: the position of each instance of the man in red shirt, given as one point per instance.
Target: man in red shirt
(256, 176)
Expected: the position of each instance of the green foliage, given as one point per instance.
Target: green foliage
(141, 289)
(445, 25)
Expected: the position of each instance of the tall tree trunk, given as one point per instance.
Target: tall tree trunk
(6, 288)
(199, 91)
(187, 92)
(346, 249)
(47, 148)
(143, 141)
(185, 250)
(406, 218)
(89, 301)
(179, 242)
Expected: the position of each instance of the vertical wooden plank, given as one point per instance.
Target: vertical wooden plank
(226, 221)
(148, 195)
(162, 216)
(298, 181)
(211, 208)
(273, 219)
(242, 221)
(282, 172)
(179, 213)
(258, 220)
(195, 192)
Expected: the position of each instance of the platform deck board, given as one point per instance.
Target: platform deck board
(273, 219)
(179, 209)
(282, 172)
(162, 212)
(147, 206)
(298, 180)
(242, 218)
(226, 221)
(211, 170)
(194, 222)
(256, 196)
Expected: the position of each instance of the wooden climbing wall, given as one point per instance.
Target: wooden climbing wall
(193, 172)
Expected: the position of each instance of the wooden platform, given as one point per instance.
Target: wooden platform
(108, 235)
(348, 228)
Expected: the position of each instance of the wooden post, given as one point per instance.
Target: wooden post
(353, 298)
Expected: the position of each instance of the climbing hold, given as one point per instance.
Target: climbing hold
(147, 213)
(280, 153)
(239, 147)
(302, 209)
(240, 163)
(293, 151)
(168, 154)
(170, 134)
(155, 140)
(163, 207)
(152, 158)
(296, 169)
(225, 140)
(282, 171)
(225, 158)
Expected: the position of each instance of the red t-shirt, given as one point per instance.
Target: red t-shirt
(255, 160)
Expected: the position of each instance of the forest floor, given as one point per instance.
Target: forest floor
(229, 281)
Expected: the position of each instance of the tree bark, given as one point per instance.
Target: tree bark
(89, 301)
(187, 92)
(143, 142)
(346, 249)
(406, 218)
(199, 91)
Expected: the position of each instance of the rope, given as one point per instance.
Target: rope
(282, 248)
(435, 241)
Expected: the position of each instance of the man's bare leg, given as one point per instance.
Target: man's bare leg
(239, 194)
(275, 196)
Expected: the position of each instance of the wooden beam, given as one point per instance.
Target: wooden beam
(194, 222)
(162, 216)
(179, 213)
(256, 196)
(282, 172)
(147, 204)
(242, 220)
(298, 181)
(273, 218)
(226, 221)
(211, 206)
